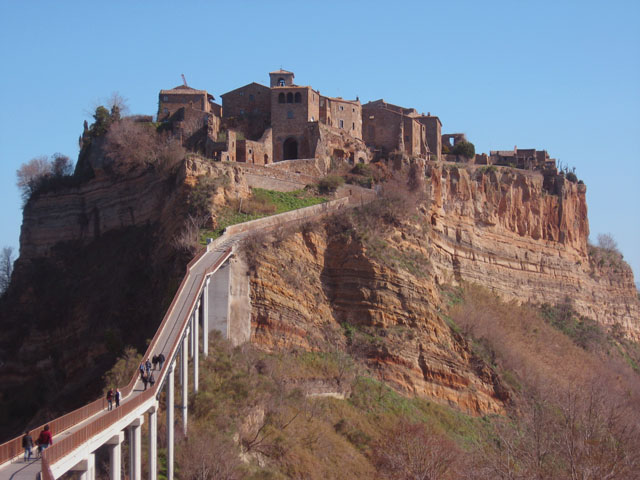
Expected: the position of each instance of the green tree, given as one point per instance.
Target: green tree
(466, 149)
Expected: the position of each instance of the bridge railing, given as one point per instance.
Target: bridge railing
(76, 439)
(13, 447)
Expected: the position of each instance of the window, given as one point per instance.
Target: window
(252, 98)
(289, 114)
(341, 107)
(298, 97)
(322, 102)
(241, 112)
(353, 126)
(281, 98)
(242, 94)
(165, 98)
(341, 124)
(281, 82)
(289, 97)
(312, 119)
(165, 110)
(353, 110)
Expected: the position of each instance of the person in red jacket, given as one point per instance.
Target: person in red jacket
(44, 439)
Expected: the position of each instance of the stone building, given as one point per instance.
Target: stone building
(525, 158)
(170, 101)
(303, 123)
(248, 110)
(388, 128)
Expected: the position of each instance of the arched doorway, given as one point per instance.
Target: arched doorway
(290, 149)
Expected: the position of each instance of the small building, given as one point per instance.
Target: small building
(388, 128)
(170, 101)
(524, 158)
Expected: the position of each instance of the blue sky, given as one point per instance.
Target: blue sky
(557, 75)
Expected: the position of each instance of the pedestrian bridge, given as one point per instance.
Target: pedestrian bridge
(211, 296)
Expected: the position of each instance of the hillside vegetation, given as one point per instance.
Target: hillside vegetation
(571, 412)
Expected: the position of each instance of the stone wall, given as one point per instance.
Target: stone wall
(250, 109)
(289, 121)
(302, 214)
(256, 152)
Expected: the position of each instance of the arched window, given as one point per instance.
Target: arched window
(289, 97)
(281, 82)
(281, 98)
(298, 98)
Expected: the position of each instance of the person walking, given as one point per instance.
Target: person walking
(147, 366)
(141, 369)
(145, 379)
(151, 380)
(45, 439)
(27, 444)
(161, 360)
(110, 399)
(154, 360)
(117, 395)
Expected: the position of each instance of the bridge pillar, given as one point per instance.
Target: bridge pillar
(86, 467)
(191, 330)
(153, 443)
(135, 450)
(115, 456)
(170, 421)
(205, 318)
(184, 364)
(196, 346)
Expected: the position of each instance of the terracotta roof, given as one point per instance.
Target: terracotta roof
(282, 71)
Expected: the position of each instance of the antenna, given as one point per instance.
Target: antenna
(184, 80)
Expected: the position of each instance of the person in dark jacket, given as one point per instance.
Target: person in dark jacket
(117, 395)
(151, 379)
(147, 366)
(145, 379)
(27, 444)
(45, 439)
(110, 398)
(154, 361)
(161, 360)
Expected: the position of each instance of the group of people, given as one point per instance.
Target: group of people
(45, 439)
(111, 396)
(146, 375)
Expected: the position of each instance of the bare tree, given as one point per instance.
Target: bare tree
(413, 451)
(6, 268)
(208, 455)
(607, 242)
(30, 175)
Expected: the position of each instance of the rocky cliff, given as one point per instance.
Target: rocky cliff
(377, 290)
(98, 267)
(501, 228)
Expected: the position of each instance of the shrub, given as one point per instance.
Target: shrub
(466, 149)
(572, 177)
(361, 169)
(330, 183)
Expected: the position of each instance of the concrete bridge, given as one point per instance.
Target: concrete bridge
(214, 294)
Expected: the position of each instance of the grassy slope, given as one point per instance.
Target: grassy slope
(261, 204)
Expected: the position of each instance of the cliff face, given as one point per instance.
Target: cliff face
(319, 290)
(97, 270)
(110, 202)
(352, 284)
(501, 229)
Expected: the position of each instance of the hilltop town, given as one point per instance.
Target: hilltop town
(262, 125)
